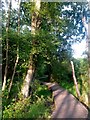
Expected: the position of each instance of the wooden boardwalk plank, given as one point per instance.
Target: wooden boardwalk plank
(66, 105)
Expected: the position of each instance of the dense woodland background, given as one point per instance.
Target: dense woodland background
(36, 47)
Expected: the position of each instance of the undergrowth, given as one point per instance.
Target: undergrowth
(83, 88)
(37, 105)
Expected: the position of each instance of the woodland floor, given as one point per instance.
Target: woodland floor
(66, 105)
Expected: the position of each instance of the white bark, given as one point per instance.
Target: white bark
(29, 76)
(88, 41)
(74, 78)
(7, 47)
(17, 58)
(11, 82)
(34, 26)
(87, 27)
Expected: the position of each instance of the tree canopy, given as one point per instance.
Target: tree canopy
(40, 35)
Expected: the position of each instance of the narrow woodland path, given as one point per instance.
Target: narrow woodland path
(66, 105)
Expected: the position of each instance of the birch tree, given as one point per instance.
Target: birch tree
(17, 57)
(89, 59)
(88, 41)
(7, 44)
(35, 23)
(75, 80)
(87, 28)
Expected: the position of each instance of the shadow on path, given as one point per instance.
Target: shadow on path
(66, 105)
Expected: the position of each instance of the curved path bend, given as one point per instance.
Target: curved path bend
(66, 105)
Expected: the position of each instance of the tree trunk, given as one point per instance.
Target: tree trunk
(35, 23)
(17, 58)
(88, 40)
(88, 45)
(7, 47)
(74, 78)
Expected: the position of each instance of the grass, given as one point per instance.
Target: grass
(38, 110)
(24, 109)
(68, 86)
(38, 105)
(82, 87)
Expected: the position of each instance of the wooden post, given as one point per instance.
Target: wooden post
(75, 80)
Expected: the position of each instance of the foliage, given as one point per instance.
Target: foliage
(23, 109)
(69, 86)
(0, 102)
(81, 66)
(33, 107)
(59, 28)
(62, 70)
(81, 73)
(52, 39)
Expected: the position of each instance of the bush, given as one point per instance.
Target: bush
(32, 107)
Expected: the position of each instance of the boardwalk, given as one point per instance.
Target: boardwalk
(66, 105)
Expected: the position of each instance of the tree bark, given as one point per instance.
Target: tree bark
(75, 80)
(87, 28)
(7, 47)
(88, 40)
(35, 23)
(17, 58)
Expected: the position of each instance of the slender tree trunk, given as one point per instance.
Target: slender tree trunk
(74, 78)
(35, 23)
(7, 47)
(88, 40)
(17, 58)
(87, 27)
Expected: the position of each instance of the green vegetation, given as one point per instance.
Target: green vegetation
(38, 105)
(81, 72)
(0, 101)
(37, 47)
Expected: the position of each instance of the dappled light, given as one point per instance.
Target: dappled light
(41, 76)
(66, 105)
